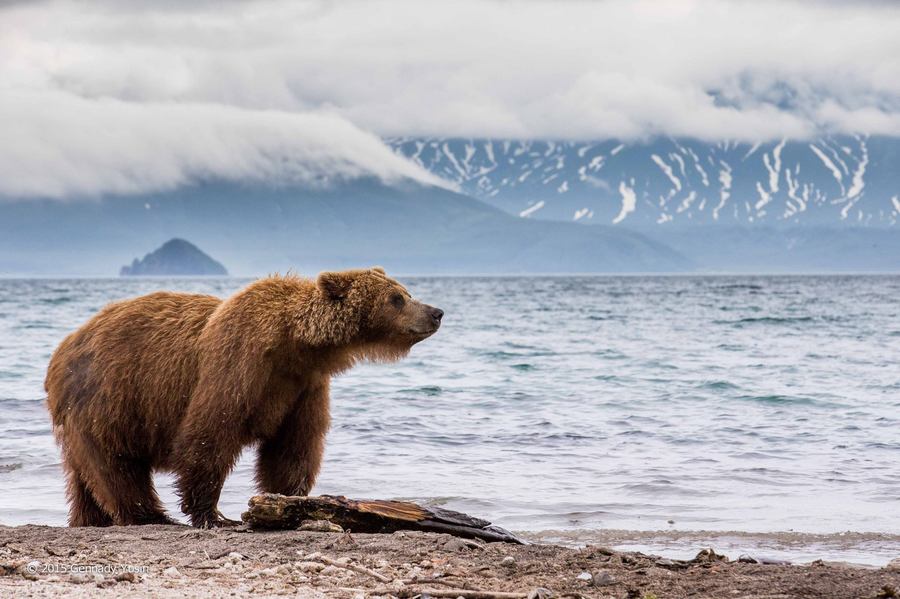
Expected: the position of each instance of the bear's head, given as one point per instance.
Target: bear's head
(379, 315)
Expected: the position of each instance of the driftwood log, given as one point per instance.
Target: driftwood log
(270, 511)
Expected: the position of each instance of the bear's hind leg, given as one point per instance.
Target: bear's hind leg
(121, 487)
(83, 509)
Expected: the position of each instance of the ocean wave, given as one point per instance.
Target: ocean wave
(741, 286)
(778, 399)
(778, 320)
(718, 385)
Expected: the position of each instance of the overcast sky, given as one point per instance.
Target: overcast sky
(131, 96)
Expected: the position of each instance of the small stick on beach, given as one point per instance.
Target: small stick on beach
(465, 593)
(448, 583)
(318, 557)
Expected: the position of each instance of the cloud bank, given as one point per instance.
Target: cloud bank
(58, 145)
(128, 96)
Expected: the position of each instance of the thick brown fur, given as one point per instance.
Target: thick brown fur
(180, 382)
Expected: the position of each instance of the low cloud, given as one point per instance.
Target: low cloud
(58, 145)
(110, 96)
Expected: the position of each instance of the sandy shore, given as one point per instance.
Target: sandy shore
(172, 561)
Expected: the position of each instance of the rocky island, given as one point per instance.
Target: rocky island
(175, 257)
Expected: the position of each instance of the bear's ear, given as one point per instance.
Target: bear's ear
(378, 269)
(334, 285)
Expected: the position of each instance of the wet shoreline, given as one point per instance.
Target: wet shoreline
(861, 548)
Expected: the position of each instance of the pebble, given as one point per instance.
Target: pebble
(602, 579)
(508, 562)
(235, 556)
(540, 593)
(80, 578)
(586, 576)
(666, 563)
(320, 526)
(709, 555)
(309, 566)
(117, 538)
(127, 577)
(415, 572)
(455, 545)
(770, 561)
(893, 565)
(171, 572)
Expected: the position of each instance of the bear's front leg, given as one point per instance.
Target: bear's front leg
(289, 461)
(203, 460)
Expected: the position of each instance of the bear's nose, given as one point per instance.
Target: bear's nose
(436, 315)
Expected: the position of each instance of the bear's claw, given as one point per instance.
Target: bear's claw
(214, 520)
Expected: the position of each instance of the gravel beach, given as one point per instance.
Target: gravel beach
(176, 561)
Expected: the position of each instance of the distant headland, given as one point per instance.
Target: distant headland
(175, 257)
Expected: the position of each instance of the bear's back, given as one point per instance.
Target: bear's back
(131, 367)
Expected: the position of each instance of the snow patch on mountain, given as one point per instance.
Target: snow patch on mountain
(667, 170)
(858, 183)
(629, 202)
(532, 209)
(775, 167)
(583, 213)
(824, 181)
(725, 191)
(828, 163)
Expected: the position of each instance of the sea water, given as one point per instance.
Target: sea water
(565, 404)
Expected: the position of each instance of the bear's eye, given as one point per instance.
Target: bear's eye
(398, 300)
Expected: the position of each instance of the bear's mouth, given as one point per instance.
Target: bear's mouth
(423, 333)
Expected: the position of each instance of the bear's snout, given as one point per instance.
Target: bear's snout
(428, 321)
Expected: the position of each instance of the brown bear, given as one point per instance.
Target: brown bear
(183, 382)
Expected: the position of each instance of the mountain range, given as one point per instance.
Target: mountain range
(832, 182)
(255, 229)
(509, 206)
